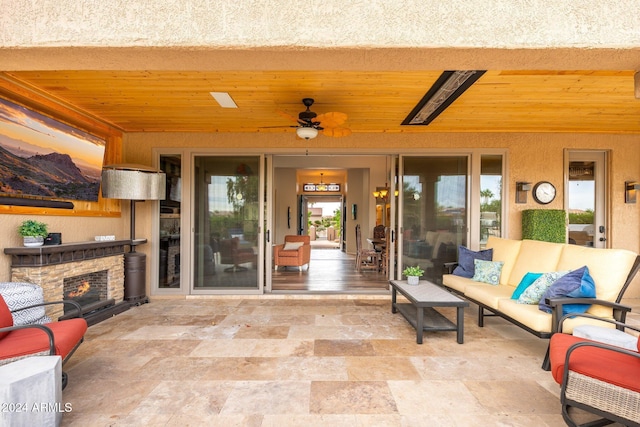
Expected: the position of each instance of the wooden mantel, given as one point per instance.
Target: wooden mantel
(67, 252)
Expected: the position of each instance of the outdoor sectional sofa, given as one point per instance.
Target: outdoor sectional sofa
(612, 271)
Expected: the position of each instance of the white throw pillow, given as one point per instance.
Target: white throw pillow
(292, 246)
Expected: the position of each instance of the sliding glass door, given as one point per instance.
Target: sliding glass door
(434, 211)
(227, 213)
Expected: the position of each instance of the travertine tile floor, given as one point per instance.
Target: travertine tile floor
(303, 361)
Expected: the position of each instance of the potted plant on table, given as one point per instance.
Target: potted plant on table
(33, 232)
(413, 274)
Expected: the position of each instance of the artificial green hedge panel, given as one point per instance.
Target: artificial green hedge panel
(547, 225)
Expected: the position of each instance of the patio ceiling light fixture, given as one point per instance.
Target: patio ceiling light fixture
(449, 86)
(307, 132)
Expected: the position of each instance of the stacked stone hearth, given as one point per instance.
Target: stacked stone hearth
(50, 266)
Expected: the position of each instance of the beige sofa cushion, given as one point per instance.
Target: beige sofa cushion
(608, 267)
(535, 257)
(457, 283)
(489, 295)
(504, 250)
(531, 316)
(527, 314)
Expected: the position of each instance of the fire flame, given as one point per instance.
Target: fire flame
(82, 289)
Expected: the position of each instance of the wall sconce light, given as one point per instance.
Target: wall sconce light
(631, 191)
(521, 191)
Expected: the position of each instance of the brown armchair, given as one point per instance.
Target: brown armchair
(295, 252)
(231, 252)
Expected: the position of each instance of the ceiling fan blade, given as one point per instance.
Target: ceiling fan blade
(288, 116)
(277, 127)
(331, 119)
(336, 132)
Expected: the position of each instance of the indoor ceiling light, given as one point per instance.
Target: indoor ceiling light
(306, 132)
(224, 99)
(449, 86)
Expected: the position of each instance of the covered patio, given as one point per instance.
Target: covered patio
(296, 360)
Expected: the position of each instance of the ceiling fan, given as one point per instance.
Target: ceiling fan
(309, 123)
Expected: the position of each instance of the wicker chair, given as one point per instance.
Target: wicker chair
(597, 377)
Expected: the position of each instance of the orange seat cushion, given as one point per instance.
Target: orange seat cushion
(292, 254)
(612, 367)
(67, 334)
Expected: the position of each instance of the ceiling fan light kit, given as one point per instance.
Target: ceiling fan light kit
(305, 132)
(309, 124)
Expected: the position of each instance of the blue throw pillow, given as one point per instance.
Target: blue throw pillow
(466, 258)
(527, 280)
(576, 284)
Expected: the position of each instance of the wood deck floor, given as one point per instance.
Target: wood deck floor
(330, 270)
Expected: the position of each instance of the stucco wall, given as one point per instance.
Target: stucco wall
(331, 23)
(531, 157)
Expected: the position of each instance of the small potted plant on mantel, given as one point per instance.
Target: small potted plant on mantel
(33, 232)
(413, 274)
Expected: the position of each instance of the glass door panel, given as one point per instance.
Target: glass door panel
(586, 199)
(226, 223)
(490, 197)
(434, 212)
(170, 212)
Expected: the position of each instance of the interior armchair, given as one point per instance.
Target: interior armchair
(231, 252)
(294, 252)
(599, 372)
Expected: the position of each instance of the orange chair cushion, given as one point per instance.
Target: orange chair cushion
(284, 253)
(6, 320)
(67, 334)
(618, 369)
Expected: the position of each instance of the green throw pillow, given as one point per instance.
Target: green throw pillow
(533, 293)
(487, 271)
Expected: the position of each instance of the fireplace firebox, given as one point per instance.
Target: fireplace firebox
(88, 289)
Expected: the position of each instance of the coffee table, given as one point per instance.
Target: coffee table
(420, 313)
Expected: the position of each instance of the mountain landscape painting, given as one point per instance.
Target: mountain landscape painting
(44, 158)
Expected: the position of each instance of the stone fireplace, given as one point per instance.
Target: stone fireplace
(91, 273)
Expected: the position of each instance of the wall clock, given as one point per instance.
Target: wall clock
(544, 192)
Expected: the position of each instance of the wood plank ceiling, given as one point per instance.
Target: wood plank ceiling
(501, 101)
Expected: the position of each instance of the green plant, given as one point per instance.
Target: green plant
(547, 225)
(31, 228)
(413, 271)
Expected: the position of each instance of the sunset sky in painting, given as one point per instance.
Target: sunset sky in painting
(25, 133)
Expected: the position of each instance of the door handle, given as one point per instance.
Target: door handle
(268, 236)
